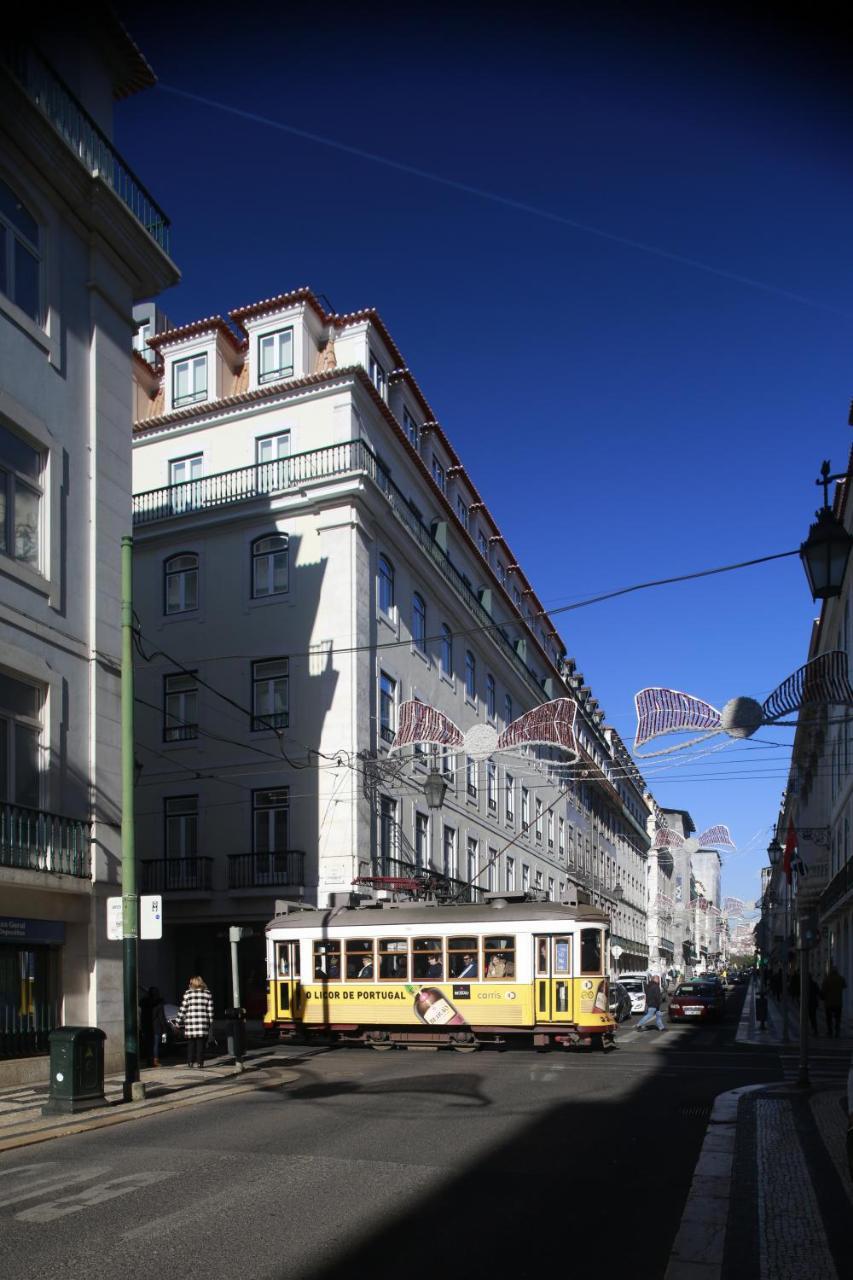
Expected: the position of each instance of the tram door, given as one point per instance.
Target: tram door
(552, 980)
(288, 986)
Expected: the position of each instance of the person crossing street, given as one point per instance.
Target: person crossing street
(654, 999)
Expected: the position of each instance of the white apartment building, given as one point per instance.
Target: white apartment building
(660, 903)
(80, 241)
(310, 552)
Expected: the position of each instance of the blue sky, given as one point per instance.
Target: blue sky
(640, 348)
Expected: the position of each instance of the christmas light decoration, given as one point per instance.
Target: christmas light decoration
(661, 711)
(666, 838)
(551, 725)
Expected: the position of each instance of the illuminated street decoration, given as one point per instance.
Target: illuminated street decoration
(661, 711)
(551, 725)
(666, 838)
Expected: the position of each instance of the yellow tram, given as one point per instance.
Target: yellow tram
(389, 973)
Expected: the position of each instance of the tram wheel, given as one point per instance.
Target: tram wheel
(465, 1048)
(381, 1046)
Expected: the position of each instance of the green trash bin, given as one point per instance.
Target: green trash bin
(76, 1070)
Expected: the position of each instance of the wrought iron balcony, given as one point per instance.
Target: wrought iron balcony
(353, 457)
(35, 840)
(78, 130)
(174, 875)
(266, 870)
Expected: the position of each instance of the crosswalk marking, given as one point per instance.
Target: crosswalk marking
(56, 1182)
(91, 1196)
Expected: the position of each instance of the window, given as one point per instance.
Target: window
(448, 765)
(270, 566)
(411, 428)
(483, 544)
(421, 840)
(499, 957)
(20, 499)
(275, 356)
(271, 821)
(359, 958)
(180, 721)
(491, 869)
(561, 837)
(446, 651)
(378, 376)
(20, 733)
(507, 710)
(525, 809)
(471, 775)
(470, 676)
(590, 951)
(550, 888)
(189, 381)
(327, 960)
(490, 696)
(473, 858)
(510, 798)
(387, 707)
(419, 623)
(462, 511)
(448, 853)
(550, 820)
(525, 877)
(181, 818)
(386, 586)
(492, 784)
(272, 464)
(463, 956)
(438, 473)
(181, 583)
(571, 845)
(185, 482)
(20, 256)
(428, 959)
(501, 572)
(510, 874)
(394, 959)
(270, 694)
(539, 880)
(388, 831)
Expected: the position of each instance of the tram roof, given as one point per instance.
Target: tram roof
(395, 915)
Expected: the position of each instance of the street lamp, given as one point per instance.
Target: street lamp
(774, 852)
(826, 550)
(435, 789)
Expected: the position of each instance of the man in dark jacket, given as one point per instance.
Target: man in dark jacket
(654, 999)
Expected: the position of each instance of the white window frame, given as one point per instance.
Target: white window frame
(509, 790)
(388, 578)
(180, 707)
(419, 623)
(449, 852)
(266, 564)
(282, 369)
(32, 725)
(196, 367)
(180, 823)
(439, 473)
(270, 683)
(387, 708)
(378, 376)
(492, 785)
(16, 235)
(14, 481)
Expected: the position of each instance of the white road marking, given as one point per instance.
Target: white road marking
(91, 1196)
(26, 1168)
(181, 1217)
(56, 1182)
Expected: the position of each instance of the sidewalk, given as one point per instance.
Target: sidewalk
(173, 1085)
(772, 1193)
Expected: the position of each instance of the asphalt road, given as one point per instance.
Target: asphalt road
(403, 1164)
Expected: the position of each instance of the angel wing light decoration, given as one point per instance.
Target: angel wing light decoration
(551, 725)
(666, 838)
(661, 711)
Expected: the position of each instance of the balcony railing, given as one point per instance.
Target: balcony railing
(35, 840)
(78, 130)
(840, 885)
(350, 458)
(266, 870)
(172, 875)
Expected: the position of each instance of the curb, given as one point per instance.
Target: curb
(272, 1078)
(698, 1248)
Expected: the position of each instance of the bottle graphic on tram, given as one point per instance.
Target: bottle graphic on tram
(434, 1008)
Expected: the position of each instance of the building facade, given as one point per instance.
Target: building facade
(81, 241)
(311, 552)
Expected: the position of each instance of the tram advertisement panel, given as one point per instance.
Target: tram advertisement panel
(451, 1005)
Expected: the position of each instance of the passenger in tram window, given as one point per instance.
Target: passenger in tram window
(366, 970)
(469, 967)
(434, 968)
(333, 966)
(497, 966)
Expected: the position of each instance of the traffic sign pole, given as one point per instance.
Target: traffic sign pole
(133, 1087)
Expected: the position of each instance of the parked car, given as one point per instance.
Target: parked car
(634, 988)
(697, 1001)
(620, 1002)
(174, 1034)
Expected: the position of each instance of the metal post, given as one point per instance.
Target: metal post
(133, 1087)
(803, 1081)
(785, 1036)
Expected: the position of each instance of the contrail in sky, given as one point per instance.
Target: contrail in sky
(507, 201)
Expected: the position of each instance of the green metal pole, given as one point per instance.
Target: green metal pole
(130, 901)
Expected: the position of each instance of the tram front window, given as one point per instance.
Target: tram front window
(590, 951)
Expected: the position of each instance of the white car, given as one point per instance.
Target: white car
(634, 987)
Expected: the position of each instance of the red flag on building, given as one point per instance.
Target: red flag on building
(790, 849)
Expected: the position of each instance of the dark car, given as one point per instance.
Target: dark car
(697, 1002)
(619, 1002)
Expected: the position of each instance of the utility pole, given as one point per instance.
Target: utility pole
(133, 1086)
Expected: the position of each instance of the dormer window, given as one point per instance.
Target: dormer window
(482, 544)
(438, 473)
(378, 376)
(410, 427)
(275, 356)
(462, 511)
(189, 381)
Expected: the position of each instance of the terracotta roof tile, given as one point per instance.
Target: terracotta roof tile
(210, 324)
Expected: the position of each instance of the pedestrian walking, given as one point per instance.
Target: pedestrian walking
(196, 1017)
(654, 999)
(833, 995)
(152, 1025)
(814, 1001)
